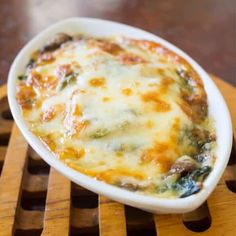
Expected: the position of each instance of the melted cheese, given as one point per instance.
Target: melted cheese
(113, 111)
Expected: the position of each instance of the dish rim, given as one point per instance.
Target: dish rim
(149, 203)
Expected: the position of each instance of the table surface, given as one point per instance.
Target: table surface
(206, 30)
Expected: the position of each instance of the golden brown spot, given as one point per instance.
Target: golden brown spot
(159, 105)
(79, 126)
(164, 162)
(146, 157)
(131, 59)
(162, 106)
(70, 153)
(53, 111)
(76, 110)
(186, 108)
(150, 124)
(46, 58)
(35, 55)
(48, 141)
(165, 83)
(82, 170)
(63, 70)
(106, 99)
(119, 154)
(162, 147)
(198, 104)
(147, 71)
(110, 176)
(97, 82)
(151, 154)
(42, 82)
(162, 154)
(80, 152)
(50, 82)
(76, 64)
(127, 91)
(109, 47)
(161, 71)
(38, 103)
(49, 114)
(175, 130)
(25, 96)
(145, 44)
(35, 79)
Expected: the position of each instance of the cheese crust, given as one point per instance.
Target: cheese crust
(128, 112)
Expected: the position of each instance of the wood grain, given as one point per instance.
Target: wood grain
(3, 91)
(2, 153)
(11, 181)
(57, 213)
(29, 219)
(111, 218)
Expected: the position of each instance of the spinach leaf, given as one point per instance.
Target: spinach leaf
(185, 80)
(189, 184)
(31, 63)
(99, 133)
(187, 187)
(56, 42)
(22, 77)
(67, 80)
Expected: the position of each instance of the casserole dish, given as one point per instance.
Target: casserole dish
(217, 110)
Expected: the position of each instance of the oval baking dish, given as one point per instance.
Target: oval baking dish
(217, 110)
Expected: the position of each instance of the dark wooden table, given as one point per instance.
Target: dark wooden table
(206, 30)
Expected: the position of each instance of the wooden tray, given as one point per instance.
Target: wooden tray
(36, 200)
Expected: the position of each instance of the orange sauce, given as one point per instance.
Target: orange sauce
(97, 82)
(159, 105)
(127, 91)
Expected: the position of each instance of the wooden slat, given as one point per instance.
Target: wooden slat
(11, 181)
(166, 225)
(2, 153)
(26, 220)
(80, 219)
(34, 156)
(222, 205)
(35, 183)
(223, 217)
(57, 212)
(230, 173)
(3, 91)
(84, 218)
(33, 219)
(6, 126)
(111, 218)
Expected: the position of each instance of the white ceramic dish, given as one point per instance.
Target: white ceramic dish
(217, 109)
